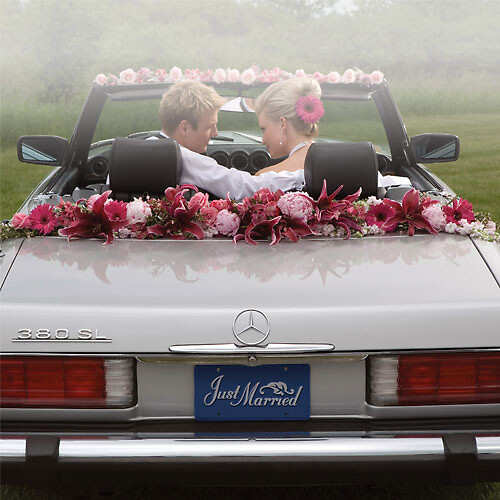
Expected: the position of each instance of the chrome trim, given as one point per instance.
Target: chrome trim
(234, 349)
(159, 450)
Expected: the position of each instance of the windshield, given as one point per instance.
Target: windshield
(351, 121)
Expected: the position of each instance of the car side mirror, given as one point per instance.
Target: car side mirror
(435, 148)
(41, 149)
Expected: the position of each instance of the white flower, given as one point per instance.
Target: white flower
(219, 75)
(490, 228)
(175, 74)
(349, 76)
(100, 79)
(248, 76)
(373, 200)
(127, 76)
(233, 75)
(376, 77)
(451, 227)
(210, 232)
(333, 77)
(138, 211)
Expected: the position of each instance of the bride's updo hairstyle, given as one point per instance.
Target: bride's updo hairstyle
(280, 98)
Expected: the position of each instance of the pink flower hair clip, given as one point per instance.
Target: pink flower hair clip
(309, 108)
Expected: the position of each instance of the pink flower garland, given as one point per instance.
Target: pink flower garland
(248, 77)
(265, 215)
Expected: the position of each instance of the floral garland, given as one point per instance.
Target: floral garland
(249, 76)
(265, 215)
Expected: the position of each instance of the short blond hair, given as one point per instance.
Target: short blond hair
(279, 99)
(187, 100)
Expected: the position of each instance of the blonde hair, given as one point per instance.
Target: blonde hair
(279, 99)
(187, 100)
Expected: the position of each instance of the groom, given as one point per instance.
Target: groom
(188, 114)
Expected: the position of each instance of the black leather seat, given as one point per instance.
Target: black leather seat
(138, 167)
(351, 164)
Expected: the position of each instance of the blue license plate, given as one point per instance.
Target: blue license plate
(266, 392)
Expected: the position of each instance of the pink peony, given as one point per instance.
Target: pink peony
(300, 73)
(309, 108)
(434, 214)
(219, 75)
(138, 211)
(227, 223)
(111, 79)
(206, 76)
(20, 221)
(100, 79)
(127, 76)
(248, 77)
(460, 209)
(297, 206)
(349, 76)
(376, 77)
(365, 80)
(233, 75)
(42, 219)
(333, 77)
(143, 74)
(319, 77)
(175, 74)
(161, 74)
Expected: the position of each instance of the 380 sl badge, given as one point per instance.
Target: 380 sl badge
(59, 335)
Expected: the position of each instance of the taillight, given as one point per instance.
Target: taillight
(438, 379)
(66, 382)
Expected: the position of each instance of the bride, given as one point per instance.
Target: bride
(288, 112)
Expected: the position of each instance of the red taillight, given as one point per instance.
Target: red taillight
(68, 382)
(439, 379)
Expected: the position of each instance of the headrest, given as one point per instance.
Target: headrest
(351, 164)
(138, 167)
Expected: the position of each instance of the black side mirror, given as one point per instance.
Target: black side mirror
(41, 149)
(435, 148)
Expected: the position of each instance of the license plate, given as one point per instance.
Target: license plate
(266, 392)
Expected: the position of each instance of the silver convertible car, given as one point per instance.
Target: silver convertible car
(186, 357)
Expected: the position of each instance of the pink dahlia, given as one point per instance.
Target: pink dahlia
(460, 209)
(42, 219)
(379, 214)
(309, 108)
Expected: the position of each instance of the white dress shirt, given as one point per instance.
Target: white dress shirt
(205, 173)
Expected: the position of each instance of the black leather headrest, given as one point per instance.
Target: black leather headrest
(351, 164)
(138, 166)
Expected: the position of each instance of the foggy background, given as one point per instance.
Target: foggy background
(52, 49)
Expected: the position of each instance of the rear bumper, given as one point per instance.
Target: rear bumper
(44, 460)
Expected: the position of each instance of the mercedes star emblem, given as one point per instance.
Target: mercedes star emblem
(251, 327)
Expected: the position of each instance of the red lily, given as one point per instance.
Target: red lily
(410, 211)
(97, 223)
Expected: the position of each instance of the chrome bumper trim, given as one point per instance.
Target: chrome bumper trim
(170, 449)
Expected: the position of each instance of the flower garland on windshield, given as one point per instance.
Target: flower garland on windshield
(249, 76)
(266, 215)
